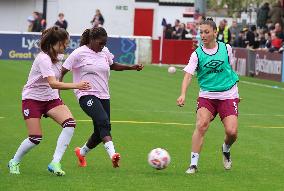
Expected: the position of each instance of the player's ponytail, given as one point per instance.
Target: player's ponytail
(85, 37)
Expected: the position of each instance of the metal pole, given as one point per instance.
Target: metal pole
(200, 6)
(161, 49)
(44, 10)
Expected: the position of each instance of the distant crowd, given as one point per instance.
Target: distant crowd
(37, 22)
(267, 34)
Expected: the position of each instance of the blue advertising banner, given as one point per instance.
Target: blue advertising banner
(123, 49)
(25, 47)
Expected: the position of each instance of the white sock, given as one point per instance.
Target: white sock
(62, 143)
(109, 148)
(25, 147)
(84, 150)
(194, 158)
(226, 148)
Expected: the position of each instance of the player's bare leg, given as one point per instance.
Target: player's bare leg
(203, 119)
(231, 133)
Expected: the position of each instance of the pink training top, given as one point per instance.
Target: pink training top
(93, 67)
(192, 65)
(37, 86)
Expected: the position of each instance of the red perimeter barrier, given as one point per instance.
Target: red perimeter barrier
(174, 51)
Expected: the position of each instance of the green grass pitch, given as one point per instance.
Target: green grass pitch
(148, 96)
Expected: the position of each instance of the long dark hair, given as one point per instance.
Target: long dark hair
(92, 34)
(49, 38)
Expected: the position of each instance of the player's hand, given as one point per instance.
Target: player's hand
(181, 101)
(137, 67)
(83, 85)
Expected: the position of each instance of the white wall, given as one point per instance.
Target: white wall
(14, 14)
(80, 13)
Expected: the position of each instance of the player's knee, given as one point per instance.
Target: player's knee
(36, 139)
(70, 122)
(232, 132)
(202, 126)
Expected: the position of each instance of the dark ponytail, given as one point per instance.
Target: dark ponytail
(49, 38)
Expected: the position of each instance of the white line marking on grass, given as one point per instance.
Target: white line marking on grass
(254, 114)
(173, 123)
(144, 122)
(153, 111)
(268, 127)
(186, 112)
(189, 112)
(262, 85)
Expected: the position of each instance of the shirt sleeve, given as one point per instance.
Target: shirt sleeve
(45, 67)
(192, 64)
(109, 55)
(230, 53)
(71, 61)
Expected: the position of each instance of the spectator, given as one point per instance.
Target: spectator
(278, 31)
(226, 22)
(262, 39)
(224, 34)
(276, 13)
(183, 32)
(251, 36)
(98, 19)
(262, 15)
(61, 22)
(268, 40)
(36, 24)
(276, 42)
(176, 30)
(168, 31)
(240, 40)
(177, 25)
(234, 30)
(270, 25)
(30, 20)
(192, 29)
(42, 23)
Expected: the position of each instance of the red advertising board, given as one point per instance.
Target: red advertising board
(268, 65)
(240, 60)
(174, 51)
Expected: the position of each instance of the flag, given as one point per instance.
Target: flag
(164, 22)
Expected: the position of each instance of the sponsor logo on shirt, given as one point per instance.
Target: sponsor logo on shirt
(213, 65)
